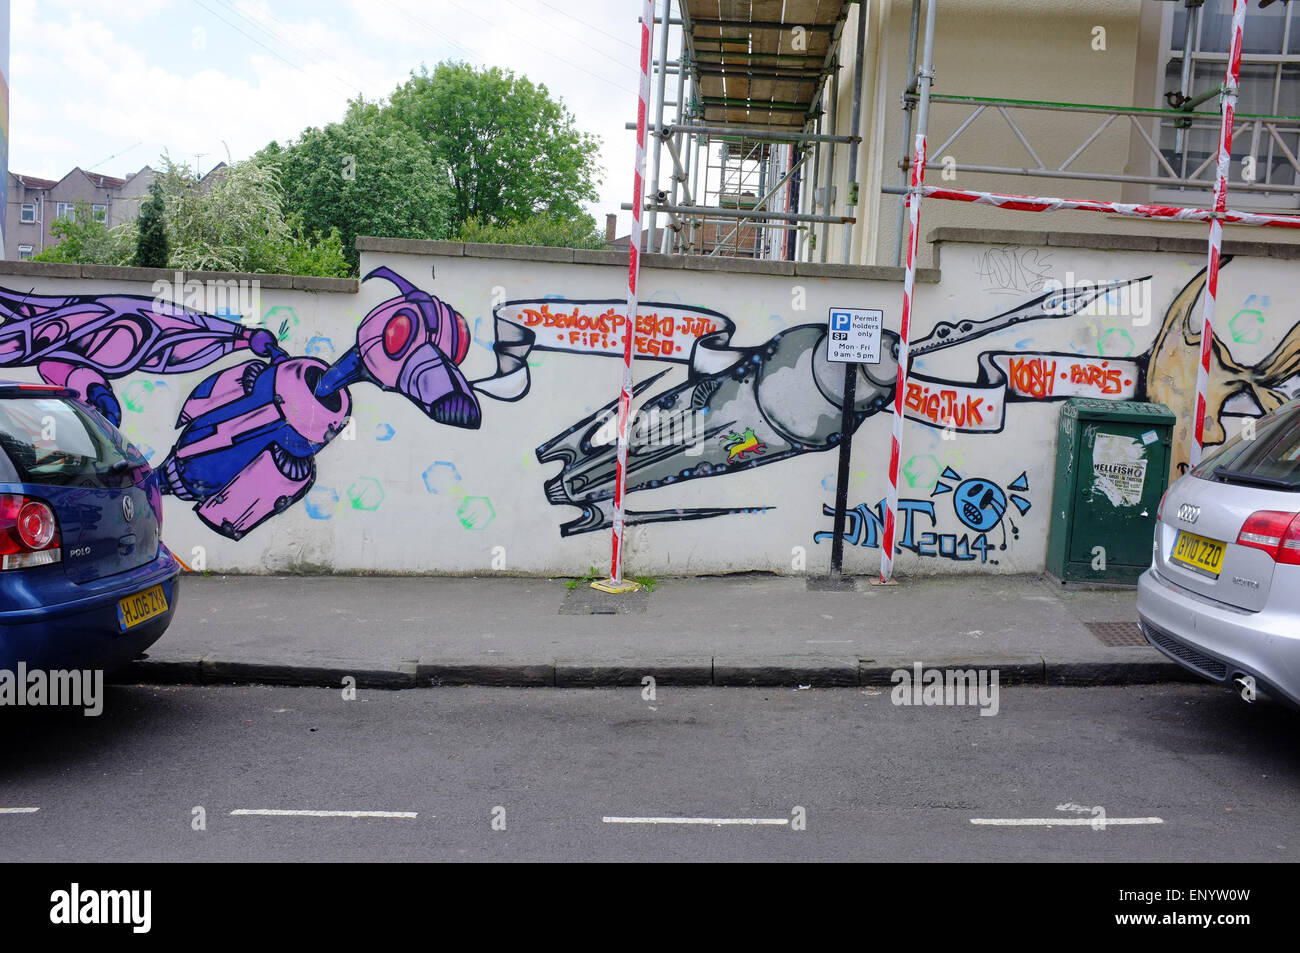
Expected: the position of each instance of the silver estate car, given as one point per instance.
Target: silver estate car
(1222, 596)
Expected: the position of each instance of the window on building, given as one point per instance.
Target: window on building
(24, 252)
(1266, 139)
(65, 210)
(99, 213)
(28, 212)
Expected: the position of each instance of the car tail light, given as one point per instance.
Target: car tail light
(1275, 532)
(1160, 510)
(29, 533)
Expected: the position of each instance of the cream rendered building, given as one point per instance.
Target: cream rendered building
(1106, 52)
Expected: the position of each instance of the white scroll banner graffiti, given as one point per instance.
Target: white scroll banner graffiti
(980, 407)
(701, 338)
(664, 332)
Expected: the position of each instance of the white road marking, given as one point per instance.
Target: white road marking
(245, 812)
(19, 810)
(717, 821)
(829, 642)
(1063, 821)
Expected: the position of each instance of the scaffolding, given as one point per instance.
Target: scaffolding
(752, 80)
(1187, 164)
(1216, 216)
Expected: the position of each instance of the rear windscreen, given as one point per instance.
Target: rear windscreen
(1270, 455)
(52, 441)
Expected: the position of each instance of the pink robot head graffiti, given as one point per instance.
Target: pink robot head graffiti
(412, 345)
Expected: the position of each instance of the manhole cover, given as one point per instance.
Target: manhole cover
(1117, 633)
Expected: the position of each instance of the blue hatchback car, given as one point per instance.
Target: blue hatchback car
(85, 580)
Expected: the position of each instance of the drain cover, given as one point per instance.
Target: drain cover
(583, 600)
(1117, 633)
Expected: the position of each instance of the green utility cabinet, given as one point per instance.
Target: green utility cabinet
(1112, 467)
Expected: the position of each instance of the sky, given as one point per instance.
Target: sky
(108, 85)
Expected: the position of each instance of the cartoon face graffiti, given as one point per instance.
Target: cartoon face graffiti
(980, 504)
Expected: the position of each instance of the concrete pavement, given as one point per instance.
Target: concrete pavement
(737, 630)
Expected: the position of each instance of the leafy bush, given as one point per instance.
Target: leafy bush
(579, 232)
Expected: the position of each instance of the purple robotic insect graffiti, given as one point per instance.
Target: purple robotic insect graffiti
(251, 431)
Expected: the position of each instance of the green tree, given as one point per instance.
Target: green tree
(231, 221)
(151, 250)
(543, 229)
(311, 253)
(512, 150)
(84, 240)
(367, 175)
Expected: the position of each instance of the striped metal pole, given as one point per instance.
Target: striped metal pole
(1216, 227)
(904, 329)
(924, 80)
(615, 581)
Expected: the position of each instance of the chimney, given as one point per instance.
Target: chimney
(611, 228)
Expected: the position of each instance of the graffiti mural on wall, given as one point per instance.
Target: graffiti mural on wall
(781, 399)
(1236, 389)
(981, 507)
(1166, 373)
(251, 432)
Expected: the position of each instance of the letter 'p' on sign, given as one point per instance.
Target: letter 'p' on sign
(853, 335)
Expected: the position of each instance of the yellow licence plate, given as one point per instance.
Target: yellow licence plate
(1198, 552)
(141, 607)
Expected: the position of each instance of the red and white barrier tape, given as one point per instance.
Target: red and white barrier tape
(1033, 203)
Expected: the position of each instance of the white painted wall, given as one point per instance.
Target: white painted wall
(489, 505)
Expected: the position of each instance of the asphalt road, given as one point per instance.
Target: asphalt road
(877, 782)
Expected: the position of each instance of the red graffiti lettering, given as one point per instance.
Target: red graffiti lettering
(1106, 380)
(1033, 377)
(944, 406)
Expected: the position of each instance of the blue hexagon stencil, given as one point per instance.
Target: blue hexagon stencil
(442, 477)
(321, 347)
(321, 502)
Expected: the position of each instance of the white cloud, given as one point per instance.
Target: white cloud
(113, 93)
(100, 89)
(112, 9)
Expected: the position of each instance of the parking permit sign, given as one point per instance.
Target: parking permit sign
(853, 335)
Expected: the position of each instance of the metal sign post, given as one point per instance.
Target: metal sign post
(852, 338)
